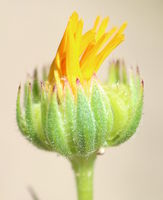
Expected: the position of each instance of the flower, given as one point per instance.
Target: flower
(71, 112)
(79, 55)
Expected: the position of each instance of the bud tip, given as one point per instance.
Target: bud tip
(137, 70)
(19, 88)
(77, 81)
(142, 83)
(54, 88)
(35, 73)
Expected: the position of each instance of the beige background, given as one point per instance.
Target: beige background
(30, 32)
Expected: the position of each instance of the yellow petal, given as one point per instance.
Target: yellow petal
(107, 50)
(72, 59)
(96, 23)
(86, 39)
(78, 35)
(102, 28)
(91, 54)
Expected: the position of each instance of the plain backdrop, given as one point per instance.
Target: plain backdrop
(30, 32)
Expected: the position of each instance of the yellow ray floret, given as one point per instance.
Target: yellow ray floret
(80, 55)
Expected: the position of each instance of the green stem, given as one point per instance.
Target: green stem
(83, 169)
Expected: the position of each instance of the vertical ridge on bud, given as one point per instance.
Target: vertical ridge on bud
(85, 130)
(32, 134)
(37, 123)
(100, 115)
(36, 88)
(26, 86)
(54, 127)
(44, 107)
(28, 114)
(69, 117)
(109, 112)
(124, 74)
(19, 116)
(114, 75)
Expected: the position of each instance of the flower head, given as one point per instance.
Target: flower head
(71, 112)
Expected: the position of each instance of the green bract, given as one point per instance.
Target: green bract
(79, 124)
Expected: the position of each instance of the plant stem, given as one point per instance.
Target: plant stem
(83, 169)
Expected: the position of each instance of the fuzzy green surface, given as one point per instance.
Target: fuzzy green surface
(79, 125)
